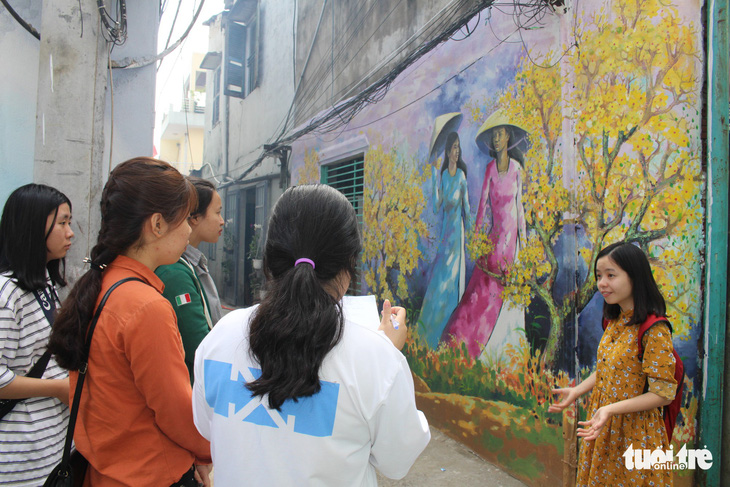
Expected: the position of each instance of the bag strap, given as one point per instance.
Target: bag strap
(651, 320)
(84, 369)
(47, 302)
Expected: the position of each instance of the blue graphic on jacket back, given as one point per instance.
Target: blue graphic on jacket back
(313, 416)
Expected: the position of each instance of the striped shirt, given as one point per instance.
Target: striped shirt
(32, 434)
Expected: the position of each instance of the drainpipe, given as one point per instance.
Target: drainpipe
(711, 420)
(228, 132)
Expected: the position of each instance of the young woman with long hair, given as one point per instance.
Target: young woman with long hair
(188, 284)
(483, 320)
(628, 390)
(35, 234)
(448, 274)
(135, 419)
(304, 389)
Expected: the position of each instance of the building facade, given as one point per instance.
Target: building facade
(181, 140)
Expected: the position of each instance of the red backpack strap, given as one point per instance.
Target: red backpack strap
(651, 320)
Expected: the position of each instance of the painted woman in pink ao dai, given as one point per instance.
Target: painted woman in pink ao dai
(483, 321)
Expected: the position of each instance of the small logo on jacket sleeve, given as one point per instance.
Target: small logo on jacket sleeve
(182, 299)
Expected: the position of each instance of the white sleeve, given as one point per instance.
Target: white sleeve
(9, 340)
(398, 430)
(202, 413)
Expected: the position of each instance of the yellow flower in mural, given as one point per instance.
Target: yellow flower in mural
(309, 174)
(478, 244)
(392, 222)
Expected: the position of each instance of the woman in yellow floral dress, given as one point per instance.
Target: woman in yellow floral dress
(624, 412)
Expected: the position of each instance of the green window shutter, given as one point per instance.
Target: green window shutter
(235, 56)
(347, 177)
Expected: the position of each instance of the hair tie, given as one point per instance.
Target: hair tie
(304, 260)
(94, 265)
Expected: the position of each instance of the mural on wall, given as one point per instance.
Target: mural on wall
(498, 167)
(450, 199)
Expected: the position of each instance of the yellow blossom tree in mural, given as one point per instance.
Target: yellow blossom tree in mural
(639, 170)
(534, 102)
(637, 176)
(309, 174)
(392, 221)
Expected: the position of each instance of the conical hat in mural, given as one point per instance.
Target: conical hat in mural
(499, 119)
(442, 127)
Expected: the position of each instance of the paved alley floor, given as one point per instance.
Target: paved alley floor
(446, 462)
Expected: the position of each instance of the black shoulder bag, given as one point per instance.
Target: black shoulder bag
(48, 306)
(72, 469)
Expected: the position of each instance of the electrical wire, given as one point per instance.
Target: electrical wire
(376, 92)
(469, 31)
(526, 14)
(352, 58)
(186, 107)
(111, 98)
(317, 81)
(431, 25)
(81, 18)
(128, 63)
(342, 113)
(20, 20)
(115, 29)
(437, 24)
(321, 68)
(172, 27)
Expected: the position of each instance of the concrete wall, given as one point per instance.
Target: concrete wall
(83, 129)
(19, 72)
(214, 143)
(611, 144)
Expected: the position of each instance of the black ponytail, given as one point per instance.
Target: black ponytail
(300, 321)
(136, 189)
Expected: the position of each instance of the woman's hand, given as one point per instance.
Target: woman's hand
(591, 428)
(202, 475)
(396, 335)
(569, 395)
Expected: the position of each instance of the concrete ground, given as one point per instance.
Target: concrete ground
(446, 462)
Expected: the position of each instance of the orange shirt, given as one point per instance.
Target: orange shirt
(135, 422)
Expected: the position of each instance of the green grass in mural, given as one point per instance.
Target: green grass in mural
(518, 379)
(541, 436)
(491, 442)
(528, 466)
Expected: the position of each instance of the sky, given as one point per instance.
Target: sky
(175, 67)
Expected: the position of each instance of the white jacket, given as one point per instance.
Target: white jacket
(364, 417)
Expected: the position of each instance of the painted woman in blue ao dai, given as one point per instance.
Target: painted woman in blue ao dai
(448, 272)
